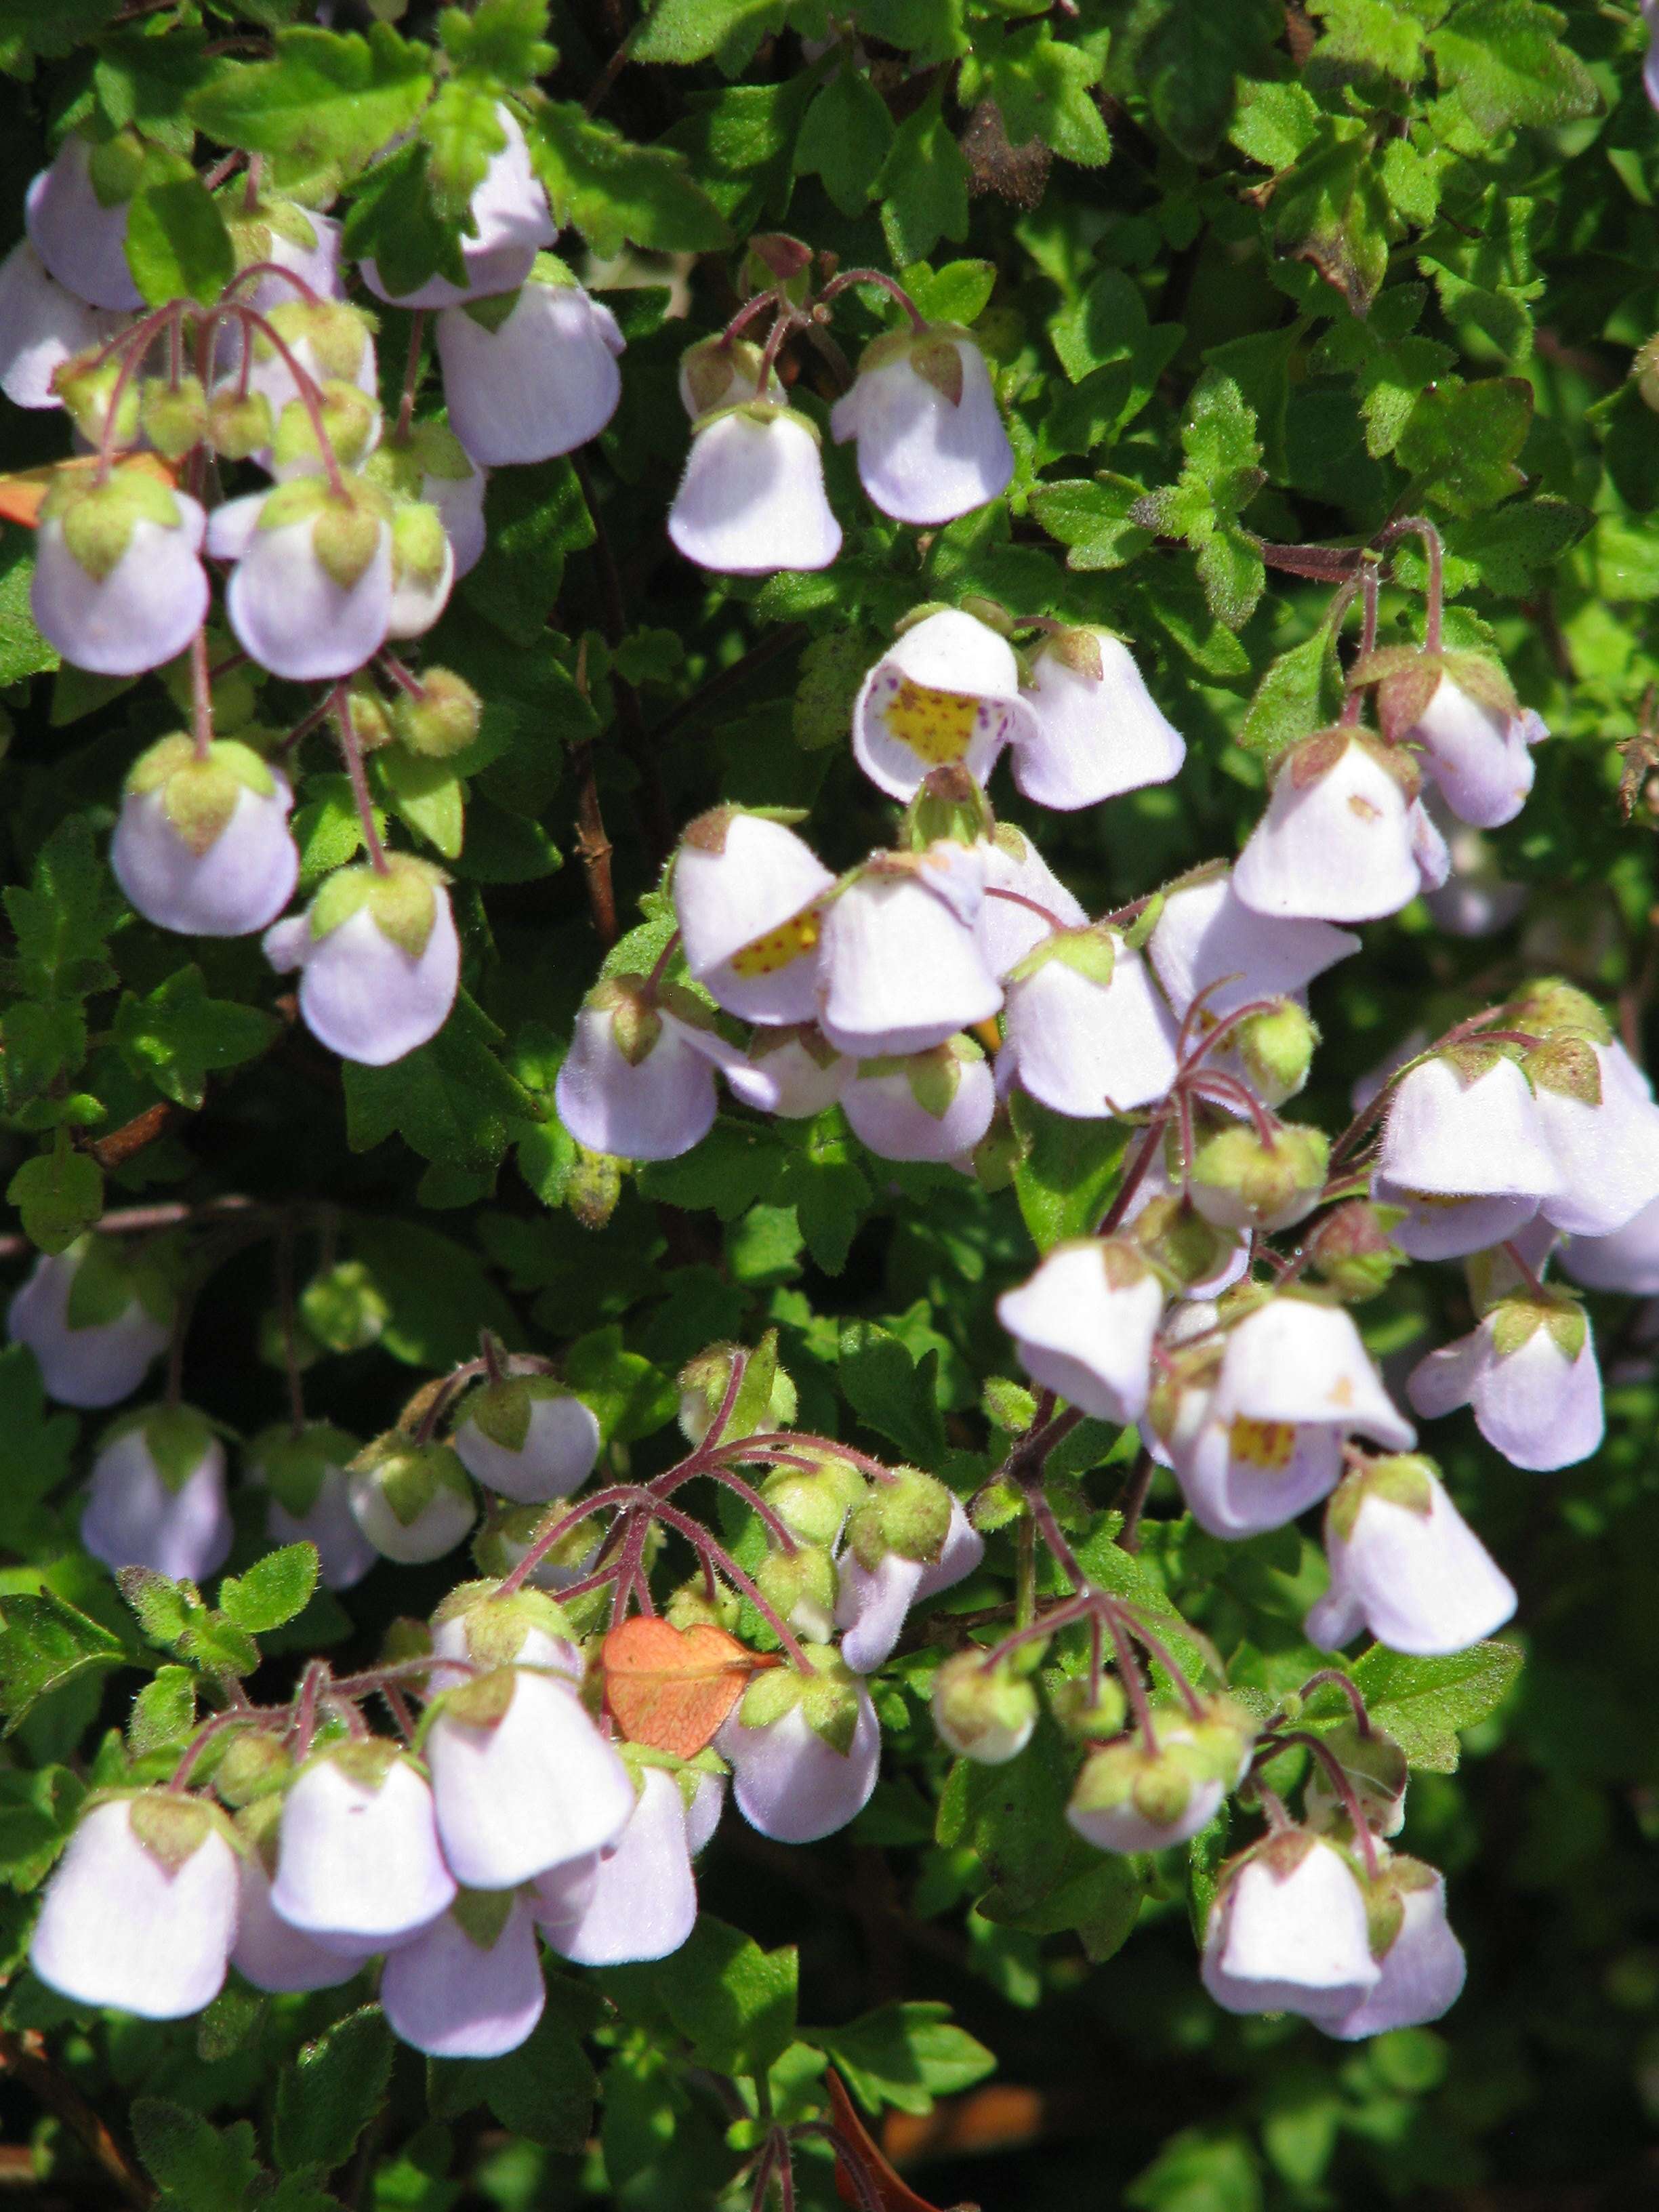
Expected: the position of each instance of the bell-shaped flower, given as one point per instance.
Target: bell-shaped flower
(119, 582)
(1404, 1565)
(751, 500)
(931, 444)
(1131, 1796)
(1025, 899)
(987, 1713)
(1628, 1261)
(1466, 1124)
(488, 1630)
(310, 1498)
(793, 1072)
(931, 1105)
(290, 236)
(1295, 1360)
(157, 1496)
(721, 372)
(945, 694)
(470, 1986)
(358, 1864)
(1335, 844)
(1206, 940)
(527, 1437)
(1289, 1932)
(1596, 1111)
(908, 1541)
(378, 959)
(1529, 1372)
(507, 223)
(1459, 710)
(1242, 1177)
(310, 598)
(804, 1750)
(268, 1952)
(201, 845)
(1084, 1324)
(141, 1910)
(1241, 1476)
(76, 214)
(533, 374)
(346, 423)
(522, 1778)
(432, 465)
(1093, 729)
(412, 1501)
(638, 1081)
(900, 966)
(1087, 1030)
(93, 1322)
(1423, 1966)
(42, 325)
(422, 569)
(746, 891)
(321, 342)
(637, 1898)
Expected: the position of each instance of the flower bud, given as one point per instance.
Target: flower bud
(527, 1437)
(379, 956)
(813, 1503)
(94, 1320)
(239, 424)
(910, 1515)
(306, 1477)
(87, 393)
(1090, 1717)
(801, 1586)
(691, 1606)
(412, 1501)
(1353, 1251)
(203, 845)
(718, 372)
(1178, 1240)
(804, 1749)
(173, 416)
(157, 1495)
(1377, 1772)
(985, 1714)
(444, 721)
(1277, 1048)
(765, 1399)
(1242, 1179)
(508, 1533)
(593, 1186)
(255, 1765)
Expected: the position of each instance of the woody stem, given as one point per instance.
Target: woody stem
(201, 695)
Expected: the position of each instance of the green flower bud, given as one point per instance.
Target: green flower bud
(1277, 1048)
(1353, 1251)
(254, 1766)
(173, 416)
(813, 1503)
(239, 424)
(1376, 1769)
(910, 1515)
(1239, 1180)
(691, 1606)
(1090, 1718)
(765, 1400)
(983, 1714)
(801, 1586)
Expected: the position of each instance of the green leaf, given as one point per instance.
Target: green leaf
(626, 1396)
(1379, 35)
(1065, 1183)
(734, 2003)
(177, 245)
(426, 794)
(44, 1645)
(440, 1292)
(1331, 209)
(543, 2091)
(1423, 1703)
(24, 651)
(534, 516)
(327, 97)
(1093, 519)
(830, 1195)
(163, 1712)
(890, 1393)
(59, 1194)
(177, 1034)
(1197, 2173)
(1041, 87)
(923, 186)
(845, 140)
(1462, 441)
(395, 220)
(905, 2055)
(1300, 692)
(462, 130)
(451, 1100)
(62, 923)
(616, 193)
(273, 1590)
(1221, 477)
(35, 1448)
(960, 292)
(506, 39)
(1184, 57)
(38, 1812)
(202, 2168)
(331, 2092)
(683, 31)
(1507, 61)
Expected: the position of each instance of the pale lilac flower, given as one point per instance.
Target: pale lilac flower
(899, 964)
(1477, 751)
(294, 238)
(751, 500)
(1335, 844)
(203, 845)
(1009, 928)
(527, 1437)
(1404, 1565)
(872, 1603)
(1087, 1030)
(945, 694)
(746, 892)
(379, 958)
(1206, 940)
(42, 325)
(793, 1072)
(1288, 1933)
(413, 1501)
(1084, 1324)
(931, 443)
(1596, 1115)
(1422, 1970)
(541, 381)
(80, 240)
(92, 1329)
(470, 1986)
(635, 1899)
(931, 1105)
(1530, 1374)
(1464, 1149)
(1628, 1260)
(638, 1081)
(310, 1498)
(118, 583)
(141, 1910)
(310, 598)
(271, 1953)
(507, 224)
(358, 1864)
(156, 1498)
(1093, 729)
(808, 1768)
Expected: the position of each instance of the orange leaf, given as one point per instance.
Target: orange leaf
(22, 492)
(673, 1687)
(896, 2194)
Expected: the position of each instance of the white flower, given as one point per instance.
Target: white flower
(141, 1909)
(294, 238)
(118, 583)
(1335, 844)
(526, 1437)
(1084, 1323)
(422, 569)
(745, 892)
(379, 958)
(810, 1769)
(450, 480)
(310, 598)
(85, 1318)
(203, 845)
(529, 1789)
(793, 1072)
(751, 499)
(1422, 1969)
(721, 372)
(945, 694)
(899, 964)
(1596, 1112)
(1288, 1933)
(542, 381)
(1087, 1031)
(1206, 940)
(1437, 1227)
(470, 1985)
(1466, 1124)
(507, 224)
(310, 1499)
(1530, 1374)
(1477, 751)
(271, 1953)
(931, 444)
(931, 1105)
(638, 1081)
(1009, 928)
(42, 325)
(157, 1496)
(80, 238)
(1294, 1360)
(413, 1501)
(637, 1900)
(1093, 729)
(357, 1857)
(1240, 1476)
(872, 1603)
(1628, 1260)
(1405, 1565)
